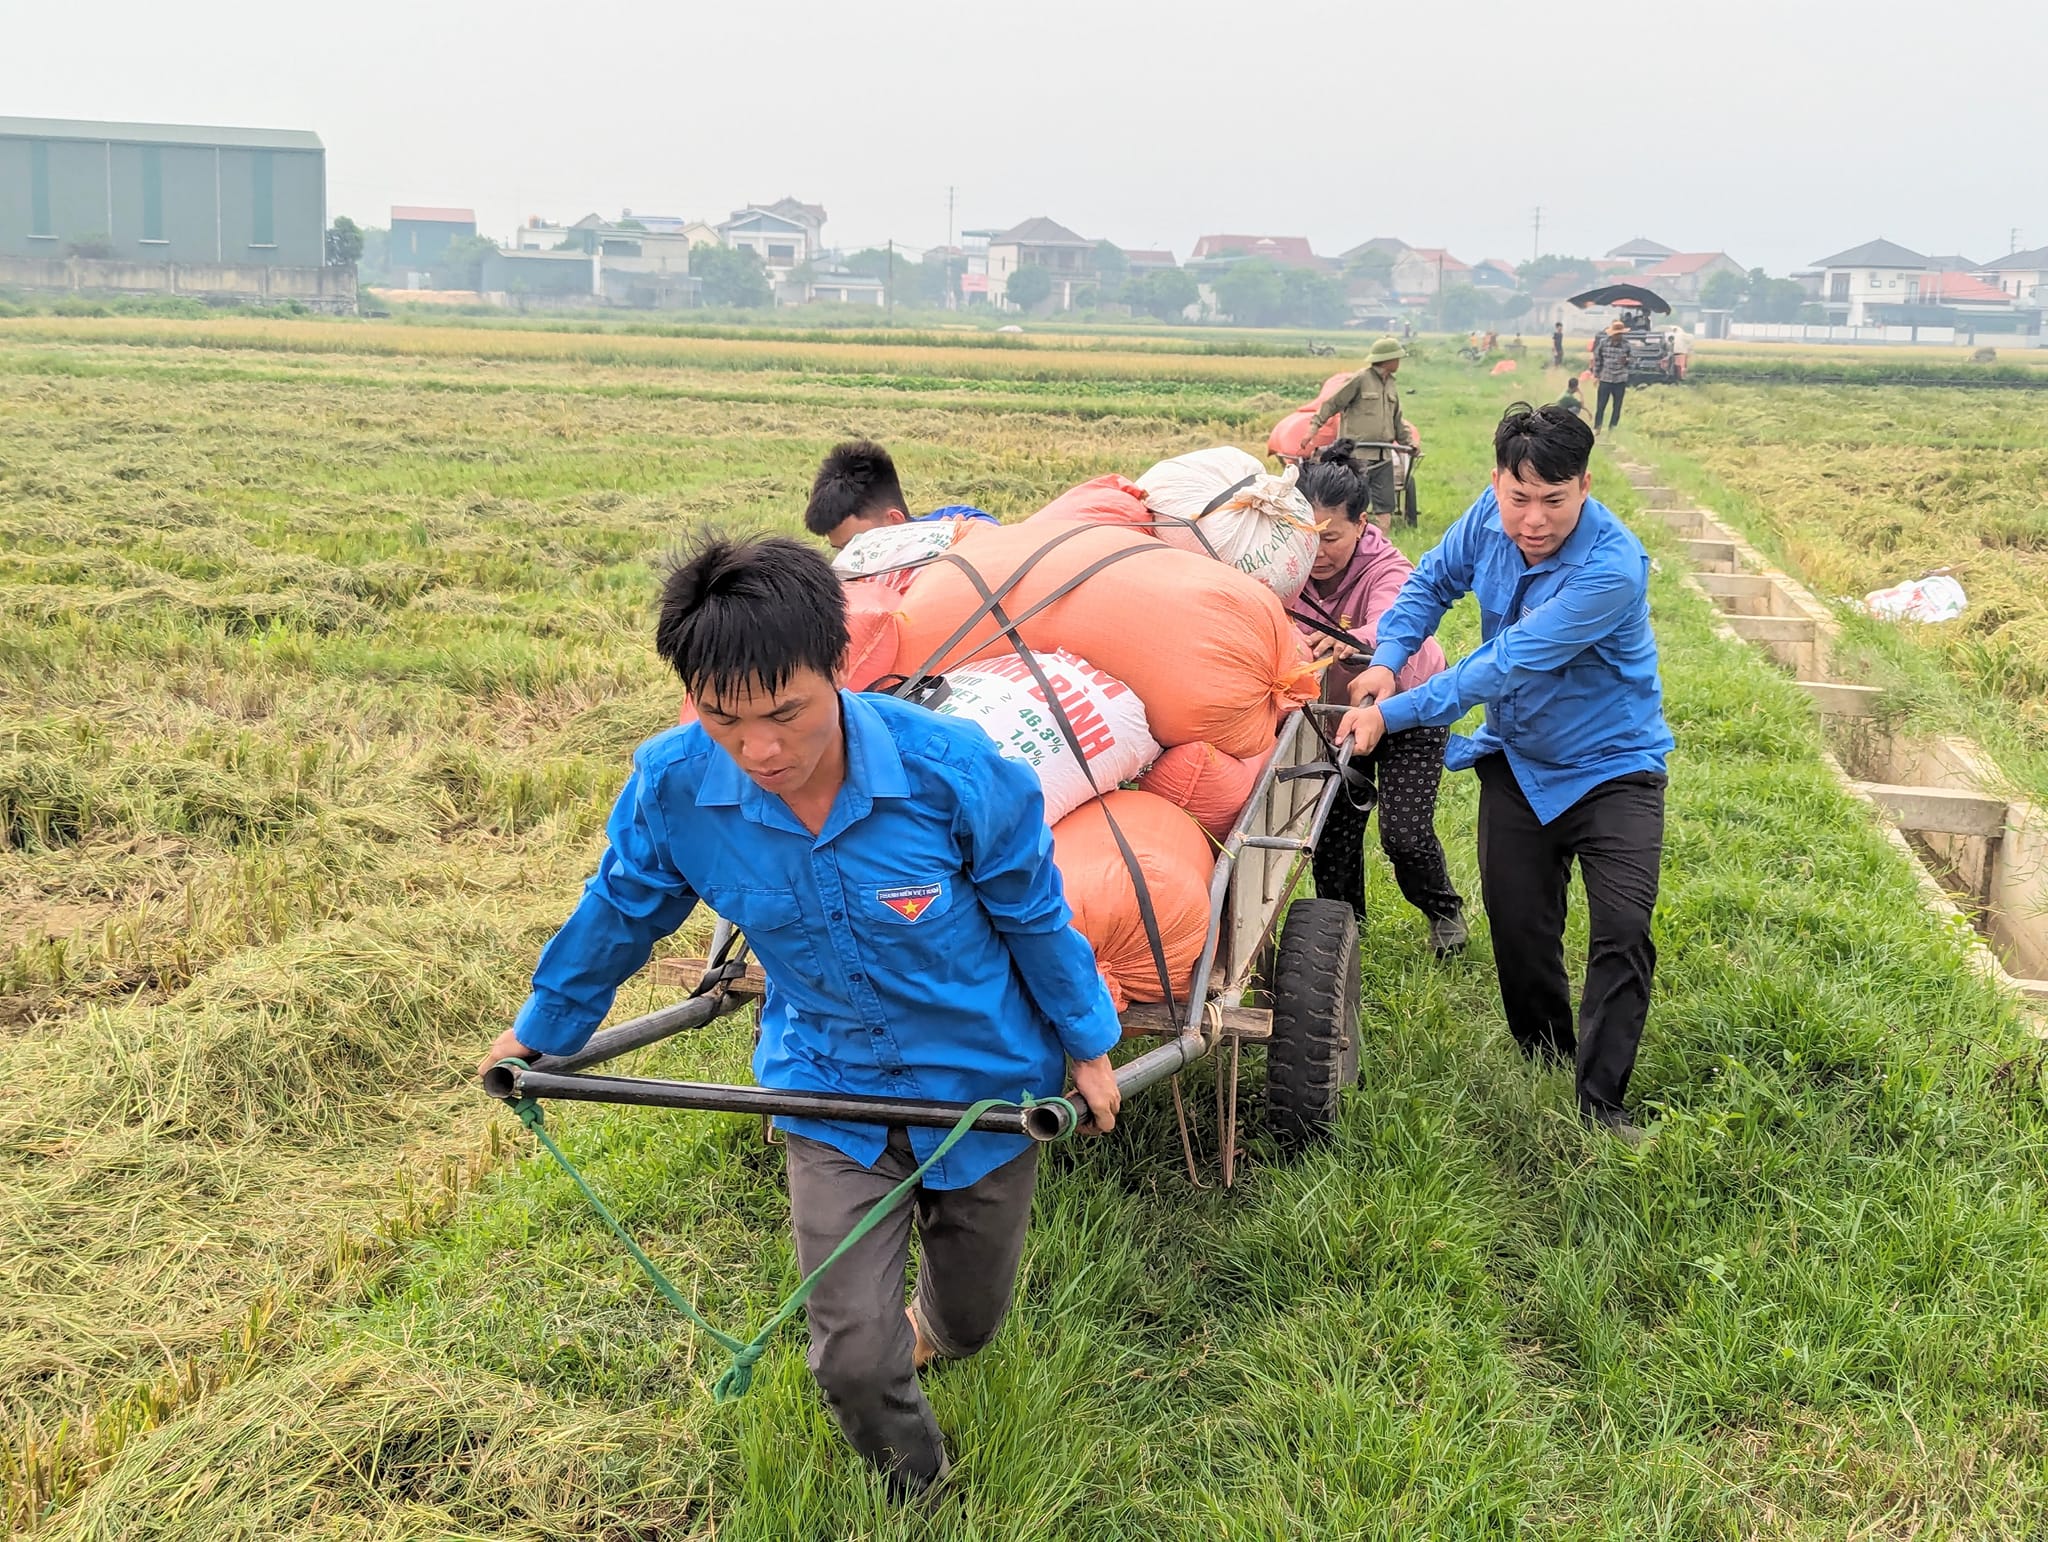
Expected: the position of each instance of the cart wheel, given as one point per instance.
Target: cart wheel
(1313, 1055)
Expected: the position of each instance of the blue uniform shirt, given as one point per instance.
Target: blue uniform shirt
(1568, 665)
(956, 511)
(920, 946)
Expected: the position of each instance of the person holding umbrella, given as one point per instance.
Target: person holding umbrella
(1610, 369)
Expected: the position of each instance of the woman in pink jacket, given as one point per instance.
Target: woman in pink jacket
(1356, 576)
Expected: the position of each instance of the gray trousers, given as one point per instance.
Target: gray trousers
(1379, 484)
(862, 1348)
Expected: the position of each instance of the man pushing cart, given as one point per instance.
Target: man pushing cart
(924, 991)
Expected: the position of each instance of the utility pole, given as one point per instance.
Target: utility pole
(2014, 240)
(889, 290)
(1536, 242)
(949, 221)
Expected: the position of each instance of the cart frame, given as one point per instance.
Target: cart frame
(1257, 870)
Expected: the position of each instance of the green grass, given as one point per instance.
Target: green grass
(320, 668)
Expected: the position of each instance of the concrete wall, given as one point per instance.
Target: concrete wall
(322, 288)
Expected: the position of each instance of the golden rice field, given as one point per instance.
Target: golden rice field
(1859, 487)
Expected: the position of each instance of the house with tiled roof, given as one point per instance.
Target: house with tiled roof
(1392, 246)
(1140, 261)
(1680, 276)
(785, 234)
(1423, 270)
(1964, 291)
(1281, 251)
(1879, 272)
(2022, 276)
(1641, 253)
(1495, 273)
(1550, 303)
(1045, 243)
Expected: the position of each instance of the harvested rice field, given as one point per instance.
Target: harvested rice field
(323, 647)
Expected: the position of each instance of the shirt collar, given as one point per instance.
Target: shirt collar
(874, 769)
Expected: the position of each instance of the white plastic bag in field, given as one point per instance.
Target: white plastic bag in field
(1107, 718)
(1251, 519)
(894, 554)
(1937, 597)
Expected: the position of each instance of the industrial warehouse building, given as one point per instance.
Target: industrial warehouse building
(162, 193)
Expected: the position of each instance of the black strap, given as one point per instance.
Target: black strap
(981, 612)
(1148, 915)
(1328, 625)
(1160, 521)
(1228, 493)
(992, 603)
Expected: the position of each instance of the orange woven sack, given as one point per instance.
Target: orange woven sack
(1110, 500)
(874, 620)
(1115, 500)
(1209, 651)
(1177, 862)
(1289, 438)
(873, 624)
(1211, 786)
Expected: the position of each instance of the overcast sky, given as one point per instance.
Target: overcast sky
(1778, 132)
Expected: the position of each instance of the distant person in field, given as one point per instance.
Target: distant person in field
(1571, 401)
(857, 490)
(894, 875)
(1571, 756)
(1356, 576)
(1557, 345)
(1368, 411)
(1610, 368)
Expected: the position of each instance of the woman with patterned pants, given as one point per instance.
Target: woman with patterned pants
(1356, 576)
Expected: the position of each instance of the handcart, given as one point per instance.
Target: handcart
(1272, 973)
(1404, 457)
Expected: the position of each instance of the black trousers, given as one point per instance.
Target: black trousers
(1616, 833)
(1407, 769)
(1611, 391)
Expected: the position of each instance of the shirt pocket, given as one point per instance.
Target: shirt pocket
(774, 924)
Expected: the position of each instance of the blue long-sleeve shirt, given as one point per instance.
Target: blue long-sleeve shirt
(920, 946)
(1567, 667)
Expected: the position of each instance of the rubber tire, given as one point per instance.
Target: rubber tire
(1408, 510)
(1313, 1054)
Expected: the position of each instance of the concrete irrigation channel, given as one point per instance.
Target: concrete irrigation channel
(1982, 856)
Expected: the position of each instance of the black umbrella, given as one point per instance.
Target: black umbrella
(1624, 294)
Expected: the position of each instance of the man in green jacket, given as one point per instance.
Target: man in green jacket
(1368, 409)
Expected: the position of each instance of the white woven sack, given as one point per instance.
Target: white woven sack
(1263, 528)
(1108, 720)
(894, 554)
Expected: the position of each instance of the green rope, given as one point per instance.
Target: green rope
(738, 1376)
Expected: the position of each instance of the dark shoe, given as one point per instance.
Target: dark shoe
(1616, 1123)
(907, 1488)
(1448, 935)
